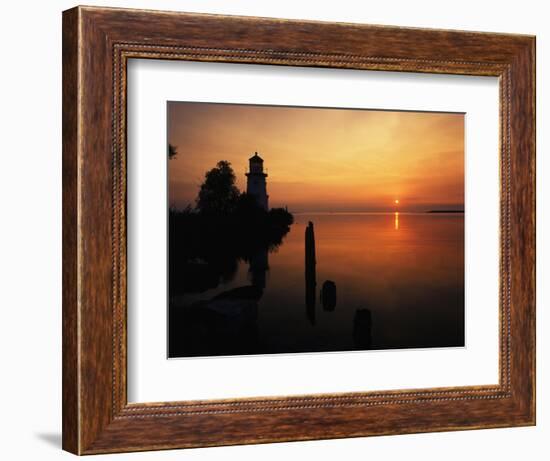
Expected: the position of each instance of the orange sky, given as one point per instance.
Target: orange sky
(323, 159)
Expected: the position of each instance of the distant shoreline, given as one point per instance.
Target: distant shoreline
(445, 211)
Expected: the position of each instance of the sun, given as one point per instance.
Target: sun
(396, 201)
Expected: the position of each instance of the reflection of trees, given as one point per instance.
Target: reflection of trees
(205, 250)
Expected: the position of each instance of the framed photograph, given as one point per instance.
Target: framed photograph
(282, 230)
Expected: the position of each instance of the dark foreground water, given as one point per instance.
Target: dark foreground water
(392, 281)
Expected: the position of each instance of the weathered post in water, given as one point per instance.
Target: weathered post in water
(328, 295)
(362, 329)
(310, 273)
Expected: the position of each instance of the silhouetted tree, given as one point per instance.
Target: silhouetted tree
(172, 151)
(218, 193)
(280, 217)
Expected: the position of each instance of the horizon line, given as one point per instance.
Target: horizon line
(356, 211)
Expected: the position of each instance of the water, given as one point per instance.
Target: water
(399, 283)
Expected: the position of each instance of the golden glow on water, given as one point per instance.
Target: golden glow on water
(411, 282)
(367, 249)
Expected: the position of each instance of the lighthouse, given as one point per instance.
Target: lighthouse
(256, 183)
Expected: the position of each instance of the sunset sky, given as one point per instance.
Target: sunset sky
(323, 159)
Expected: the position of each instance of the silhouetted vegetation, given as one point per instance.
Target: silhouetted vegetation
(172, 151)
(218, 194)
(207, 242)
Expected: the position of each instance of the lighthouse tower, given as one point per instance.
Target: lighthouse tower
(256, 184)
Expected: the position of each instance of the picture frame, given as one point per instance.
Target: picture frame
(97, 45)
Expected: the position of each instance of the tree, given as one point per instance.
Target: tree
(172, 151)
(218, 193)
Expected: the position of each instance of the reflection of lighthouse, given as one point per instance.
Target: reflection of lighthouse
(256, 184)
(259, 265)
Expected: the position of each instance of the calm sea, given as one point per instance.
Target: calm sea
(392, 281)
